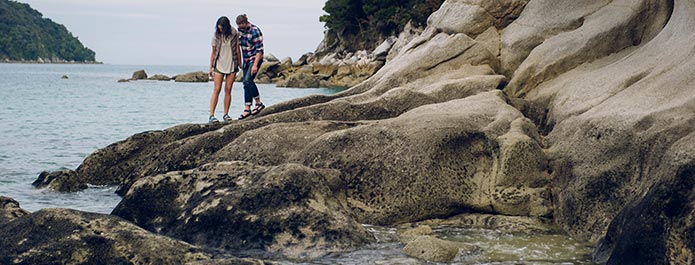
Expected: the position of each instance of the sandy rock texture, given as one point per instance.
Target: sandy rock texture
(579, 112)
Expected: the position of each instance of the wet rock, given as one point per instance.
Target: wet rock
(10, 210)
(62, 181)
(287, 210)
(507, 224)
(414, 233)
(64, 77)
(433, 249)
(139, 75)
(194, 77)
(65, 236)
(160, 78)
(123, 80)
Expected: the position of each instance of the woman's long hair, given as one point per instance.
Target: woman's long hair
(226, 31)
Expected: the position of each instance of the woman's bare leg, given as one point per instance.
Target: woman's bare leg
(216, 92)
(228, 91)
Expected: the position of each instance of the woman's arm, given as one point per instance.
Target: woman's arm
(239, 55)
(212, 58)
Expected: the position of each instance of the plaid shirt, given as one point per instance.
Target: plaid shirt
(251, 42)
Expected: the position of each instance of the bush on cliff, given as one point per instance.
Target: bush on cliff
(372, 20)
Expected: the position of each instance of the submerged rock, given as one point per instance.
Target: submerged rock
(68, 236)
(433, 249)
(288, 210)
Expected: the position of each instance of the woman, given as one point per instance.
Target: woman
(224, 64)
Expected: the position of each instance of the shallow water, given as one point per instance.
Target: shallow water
(49, 123)
(496, 247)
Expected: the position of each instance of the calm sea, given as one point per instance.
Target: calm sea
(49, 123)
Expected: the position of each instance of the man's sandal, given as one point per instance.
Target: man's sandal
(258, 109)
(245, 115)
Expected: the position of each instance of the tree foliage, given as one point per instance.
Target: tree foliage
(376, 17)
(25, 34)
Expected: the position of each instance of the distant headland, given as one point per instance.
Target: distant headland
(27, 37)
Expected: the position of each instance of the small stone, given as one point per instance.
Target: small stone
(64, 77)
(123, 80)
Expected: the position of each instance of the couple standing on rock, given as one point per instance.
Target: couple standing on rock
(227, 45)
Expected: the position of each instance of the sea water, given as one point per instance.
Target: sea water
(49, 123)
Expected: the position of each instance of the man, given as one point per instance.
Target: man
(251, 42)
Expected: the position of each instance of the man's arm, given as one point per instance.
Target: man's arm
(258, 42)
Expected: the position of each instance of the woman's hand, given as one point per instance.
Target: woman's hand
(254, 69)
(210, 72)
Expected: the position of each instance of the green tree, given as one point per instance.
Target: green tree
(373, 20)
(26, 35)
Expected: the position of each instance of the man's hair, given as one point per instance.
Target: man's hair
(242, 19)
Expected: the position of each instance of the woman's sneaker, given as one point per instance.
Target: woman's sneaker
(212, 119)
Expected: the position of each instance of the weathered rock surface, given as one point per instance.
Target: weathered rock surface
(10, 210)
(61, 236)
(287, 210)
(139, 75)
(608, 85)
(194, 77)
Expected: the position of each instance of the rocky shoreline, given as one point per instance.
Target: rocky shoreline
(46, 61)
(583, 119)
(322, 68)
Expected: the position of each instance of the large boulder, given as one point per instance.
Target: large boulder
(139, 75)
(288, 210)
(194, 77)
(62, 236)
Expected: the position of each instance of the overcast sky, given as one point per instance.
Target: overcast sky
(177, 32)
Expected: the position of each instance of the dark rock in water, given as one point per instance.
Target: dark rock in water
(63, 236)
(63, 181)
(194, 77)
(64, 77)
(123, 80)
(288, 210)
(160, 78)
(139, 75)
(10, 210)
